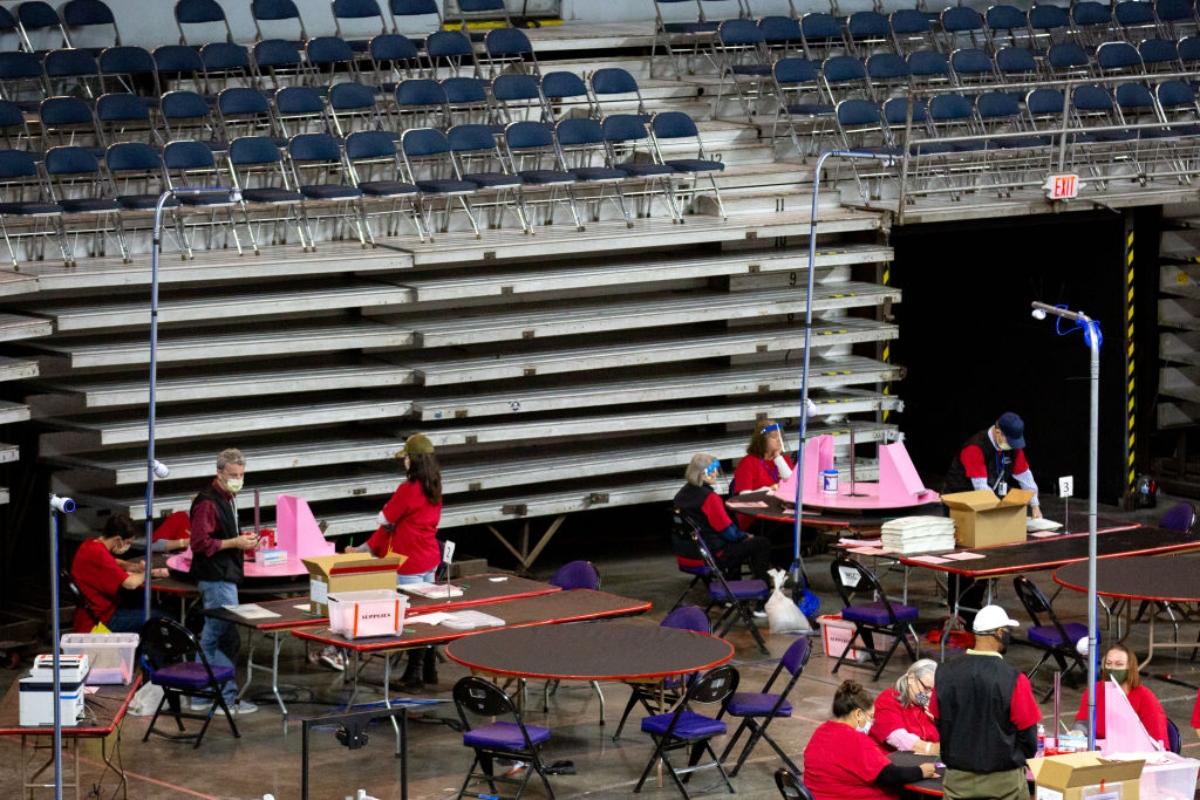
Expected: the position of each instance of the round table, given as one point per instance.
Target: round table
(1154, 579)
(621, 650)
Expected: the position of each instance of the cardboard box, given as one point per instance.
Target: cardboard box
(1076, 776)
(982, 519)
(348, 572)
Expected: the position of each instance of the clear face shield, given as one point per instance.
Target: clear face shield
(714, 476)
(774, 431)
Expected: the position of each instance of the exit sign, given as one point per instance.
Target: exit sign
(1062, 187)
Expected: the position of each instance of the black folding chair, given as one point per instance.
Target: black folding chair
(757, 709)
(878, 616)
(790, 786)
(77, 596)
(475, 697)
(1054, 638)
(173, 660)
(684, 729)
(733, 597)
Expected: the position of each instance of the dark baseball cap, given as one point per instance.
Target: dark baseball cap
(1013, 428)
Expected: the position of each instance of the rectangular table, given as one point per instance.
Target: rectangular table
(106, 708)
(293, 613)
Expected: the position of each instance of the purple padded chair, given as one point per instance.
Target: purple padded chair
(173, 660)
(475, 698)
(878, 616)
(766, 706)
(1054, 638)
(576, 575)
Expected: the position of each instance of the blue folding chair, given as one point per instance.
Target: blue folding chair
(81, 18)
(823, 35)
(128, 69)
(534, 155)
(911, 31)
(89, 209)
(246, 112)
(563, 93)
(328, 57)
(486, 10)
(508, 50)
(300, 109)
(420, 103)
(278, 62)
(452, 50)
(136, 170)
(192, 164)
(480, 161)
(201, 12)
(25, 199)
(277, 12)
(224, 65)
(179, 65)
(72, 72)
(519, 98)
(430, 166)
(868, 32)
(394, 58)
(258, 171)
(14, 129)
(631, 148)
(38, 18)
(415, 17)
(962, 26)
(124, 117)
(186, 116)
(322, 176)
(585, 152)
(877, 616)
(758, 709)
(686, 729)
(673, 132)
(361, 13)
(743, 65)
(376, 169)
(467, 102)
(354, 107)
(68, 121)
(492, 738)
(614, 88)
(802, 105)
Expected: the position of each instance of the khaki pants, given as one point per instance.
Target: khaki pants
(1008, 785)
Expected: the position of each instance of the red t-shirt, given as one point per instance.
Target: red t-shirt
(176, 526)
(1145, 705)
(99, 578)
(972, 461)
(841, 763)
(755, 472)
(892, 715)
(415, 522)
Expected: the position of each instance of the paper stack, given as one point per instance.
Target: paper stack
(908, 535)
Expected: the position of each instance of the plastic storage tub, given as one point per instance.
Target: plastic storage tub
(374, 612)
(111, 655)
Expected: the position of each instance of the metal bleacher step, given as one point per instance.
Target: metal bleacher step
(274, 453)
(636, 351)
(1179, 312)
(498, 281)
(654, 310)
(273, 339)
(294, 297)
(16, 283)
(73, 395)
(1181, 383)
(15, 327)
(13, 412)
(607, 458)
(661, 385)
(755, 200)
(1180, 348)
(1179, 280)
(776, 175)
(17, 369)
(9, 453)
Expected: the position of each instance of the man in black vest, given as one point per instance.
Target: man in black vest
(994, 459)
(217, 556)
(986, 716)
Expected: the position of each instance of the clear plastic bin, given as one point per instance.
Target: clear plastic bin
(111, 655)
(373, 612)
(1172, 781)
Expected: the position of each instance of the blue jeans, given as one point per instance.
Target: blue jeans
(420, 577)
(129, 620)
(220, 640)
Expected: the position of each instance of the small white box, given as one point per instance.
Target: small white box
(271, 558)
(374, 612)
(36, 704)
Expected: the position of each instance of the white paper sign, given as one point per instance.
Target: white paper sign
(1066, 486)
(318, 591)
(448, 552)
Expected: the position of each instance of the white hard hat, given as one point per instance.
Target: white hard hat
(991, 618)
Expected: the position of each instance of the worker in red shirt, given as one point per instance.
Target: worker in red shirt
(764, 465)
(986, 716)
(994, 459)
(902, 717)
(173, 533)
(842, 761)
(100, 576)
(1121, 664)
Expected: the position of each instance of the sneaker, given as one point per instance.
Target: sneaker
(332, 658)
(759, 613)
(200, 704)
(243, 707)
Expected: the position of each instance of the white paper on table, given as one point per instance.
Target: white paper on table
(962, 556)
(433, 590)
(930, 559)
(1044, 534)
(746, 504)
(1034, 524)
(302, 606)
(251, 611)
(845, 541)
(432, 618)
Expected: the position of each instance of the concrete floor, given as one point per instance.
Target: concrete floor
(264, 760)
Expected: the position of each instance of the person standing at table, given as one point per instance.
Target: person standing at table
(100, 576)
(218, 546)
(902, 718)
(994, 459)
(986, 716)
(841, 761)
(730, 545)
(1121, 664)
(764, 465)
(408, 526)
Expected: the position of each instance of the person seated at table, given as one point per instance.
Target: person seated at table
(841, 761)
(100, 576)
(764, 465)
(902, 718)
(1121, 664)
(173, 533)
(702, 505)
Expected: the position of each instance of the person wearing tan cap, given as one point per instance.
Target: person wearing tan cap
(408, 526)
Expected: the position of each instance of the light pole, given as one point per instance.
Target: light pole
(65, 505)
(154, 467)
(888, 160)
(1093, 338)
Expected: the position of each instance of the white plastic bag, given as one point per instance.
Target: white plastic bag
(146, 700)
(783, 615)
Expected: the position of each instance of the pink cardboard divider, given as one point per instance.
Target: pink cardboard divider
(296, 529)
(1123, 731)
(899, 483)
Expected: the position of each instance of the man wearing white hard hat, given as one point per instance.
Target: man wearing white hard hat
(986, 716)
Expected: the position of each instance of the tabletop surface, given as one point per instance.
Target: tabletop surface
(602, 651)
(576, 605)
(1139, 578)
(477, 589)
(105, 709)
(929, 786)
(1040, 554)
(777, 510)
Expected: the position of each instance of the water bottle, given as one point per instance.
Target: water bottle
(1041, 742)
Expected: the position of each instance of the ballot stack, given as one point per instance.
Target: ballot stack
(910, 535)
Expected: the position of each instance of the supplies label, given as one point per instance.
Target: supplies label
(1048, 794)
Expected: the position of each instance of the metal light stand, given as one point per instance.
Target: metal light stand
(156, 468)
(66, 505)
(797, 568)
(1092, 337)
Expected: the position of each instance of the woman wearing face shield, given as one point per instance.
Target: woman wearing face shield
(703, 505)
(842, 760)
(1121, 665)
(902, 718)
(764, 465)
(100, 576)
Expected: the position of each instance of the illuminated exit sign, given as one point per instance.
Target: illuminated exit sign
(1062, 187)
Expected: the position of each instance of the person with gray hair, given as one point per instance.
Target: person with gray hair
(902, 718)
(701, 504)
(217, 557)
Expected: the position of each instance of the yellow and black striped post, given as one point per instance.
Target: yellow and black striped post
(885, 351)
(1130, 366)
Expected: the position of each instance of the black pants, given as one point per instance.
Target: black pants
(756, 552)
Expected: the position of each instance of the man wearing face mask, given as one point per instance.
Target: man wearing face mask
(986, 716)
(100, 576)
(994, 459)
(217, 557)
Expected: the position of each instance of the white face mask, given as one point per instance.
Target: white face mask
(234, 485)
(122, 548)
(866, 728)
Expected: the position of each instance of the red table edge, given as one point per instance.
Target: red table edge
(644, 677)
(75, 730)
(1121, 595)
(915, 789)
(397, 644)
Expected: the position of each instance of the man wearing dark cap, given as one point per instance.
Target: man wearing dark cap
(994, 459)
